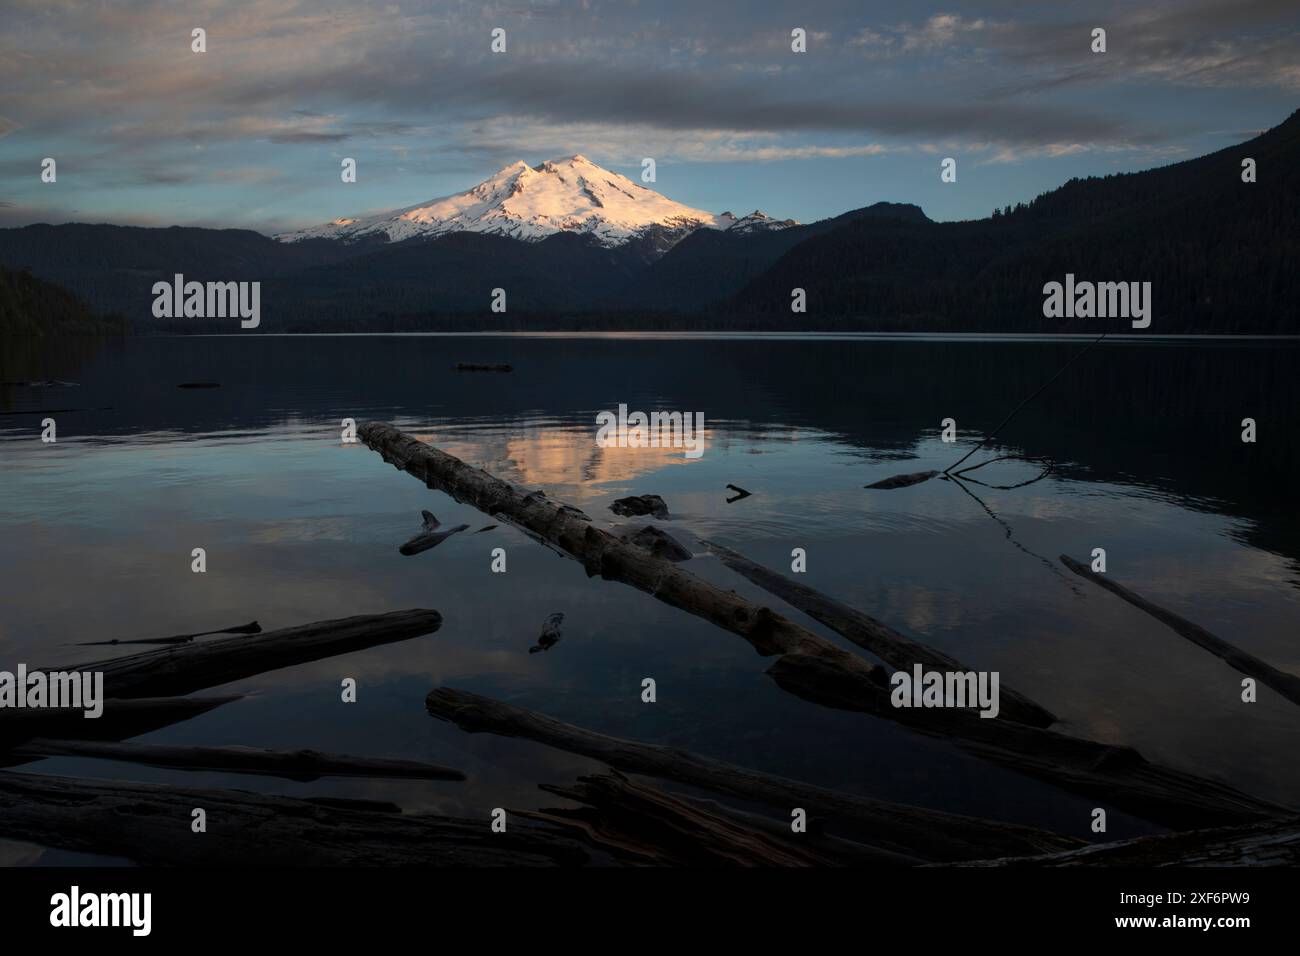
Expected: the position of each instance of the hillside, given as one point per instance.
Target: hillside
(30, 306)
(1221, 254)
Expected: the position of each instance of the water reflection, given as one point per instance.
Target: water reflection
(95, 534)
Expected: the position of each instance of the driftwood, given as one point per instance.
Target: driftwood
(300, 765)
(903, 481)
(481, 367)
(250, 628)
(739, 493)
(151, 825)
(877, 637)
(182, 669)
(908, 831)
(817, 670)
(1288, 685)
(430, 537)
(121, 719)
(643, 824)
(1273, 843)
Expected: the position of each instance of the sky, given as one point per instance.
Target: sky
(251, 133)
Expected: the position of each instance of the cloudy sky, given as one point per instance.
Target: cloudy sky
(251, 133)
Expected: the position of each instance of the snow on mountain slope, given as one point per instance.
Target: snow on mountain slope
(756, 221)
(572, 194)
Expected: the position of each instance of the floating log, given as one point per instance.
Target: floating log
(643, 824)
(480, 367)
(889, 645)
(1288, 685)
(199, 385)
(430, 537)
(908, 831)
(817, 670)
(1273, 843)
(121, 719)
(300, 765)
(902, 481)
(151, 825)
(182, 669)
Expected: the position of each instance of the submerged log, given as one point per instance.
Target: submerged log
(909, 831)
(1114, 775)
(121, 719)
(1273, 843)
(658, 543)
(646, 825)
(817, 670)
(1288, 685)
(903, 481)
(430, 537)
(301, 765)
(185, 668)
(889, 645)
(151, 825)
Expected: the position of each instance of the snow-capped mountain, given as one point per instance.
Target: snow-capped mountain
(756, 221)
(571, 194)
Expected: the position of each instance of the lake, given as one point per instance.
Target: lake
(1144, 436)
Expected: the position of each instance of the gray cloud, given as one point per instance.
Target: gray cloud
(116, 90)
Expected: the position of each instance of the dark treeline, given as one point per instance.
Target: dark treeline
(1220, 253)
(30, 306)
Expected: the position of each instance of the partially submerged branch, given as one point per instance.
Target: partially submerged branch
(185, 668)
(1272, 843)
(895, 649)
(816, 669)
(909, 831)
(1288, 685)
(300, 765)
(642, 824)
(121, 719)
(151, 825)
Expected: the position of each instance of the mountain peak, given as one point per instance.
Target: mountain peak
(565, 194)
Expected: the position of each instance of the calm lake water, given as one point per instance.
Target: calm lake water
(96, 533)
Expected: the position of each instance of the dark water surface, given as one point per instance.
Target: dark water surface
(96, 533)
